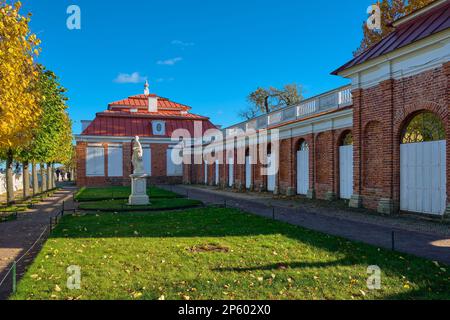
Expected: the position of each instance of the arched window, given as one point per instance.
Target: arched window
(424, 127)
(303, 146)
(347, 140)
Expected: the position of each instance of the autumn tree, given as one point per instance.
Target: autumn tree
(263, 101)
(19, 108)
(391, 10)
(52, 139)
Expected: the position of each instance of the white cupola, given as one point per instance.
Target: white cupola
(146, 88)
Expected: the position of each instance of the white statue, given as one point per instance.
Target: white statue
(137, 158)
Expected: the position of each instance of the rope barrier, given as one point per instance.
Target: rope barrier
(23, 256)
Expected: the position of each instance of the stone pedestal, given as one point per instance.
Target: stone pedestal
(311, 194)
(330, 196)
(290, 192)
(387, 206)
(447, 213)
(356, 201)
(138, 195)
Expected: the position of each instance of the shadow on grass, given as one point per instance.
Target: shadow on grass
(430, 281)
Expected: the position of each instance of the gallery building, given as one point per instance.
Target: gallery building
(104, 147)
(380, 142)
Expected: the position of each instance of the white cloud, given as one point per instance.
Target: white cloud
(135, 77)
(182, 43)
(170, 62)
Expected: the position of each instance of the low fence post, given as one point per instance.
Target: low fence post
(273, 213)
(14, 277)
(393, 240)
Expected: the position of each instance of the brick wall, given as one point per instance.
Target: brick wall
(380, 114)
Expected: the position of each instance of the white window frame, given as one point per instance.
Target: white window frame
(173, 170)
(95, 161)
(147, 159)
(115, 161)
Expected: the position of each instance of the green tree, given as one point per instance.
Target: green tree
(19, 107)
(391, 10)
(263, 101)
(52, 139)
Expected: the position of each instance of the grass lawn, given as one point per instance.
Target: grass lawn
(108, 193)
(213, 253)
(14, 208)
(155, 204)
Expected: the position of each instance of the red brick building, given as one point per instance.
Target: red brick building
(104, 146)
(381, 142)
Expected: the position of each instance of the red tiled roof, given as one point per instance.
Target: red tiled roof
(141, 101)
(423, 25)
(120, 124)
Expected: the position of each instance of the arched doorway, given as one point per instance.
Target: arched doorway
(230, 171)
(248, 170)
(271, 172)
(206, 172)
(216, 173)
(346, 166)
(303, 168)
(423, 178)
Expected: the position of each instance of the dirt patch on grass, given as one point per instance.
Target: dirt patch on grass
(209, 248)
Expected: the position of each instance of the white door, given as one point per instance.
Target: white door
(230, 172)
(248, 172)
(346, 171)
(217, 173)
(270, 177)
(206, 172)
(423, 177)
(302, 172)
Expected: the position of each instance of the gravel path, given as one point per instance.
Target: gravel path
(17, 236)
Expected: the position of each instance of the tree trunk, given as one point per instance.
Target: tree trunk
(53, 176)
(49, 176)
(26, 179)
(35, 179)
(9, 178)
(43, 178)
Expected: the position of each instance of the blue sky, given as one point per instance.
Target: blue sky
(207, 54)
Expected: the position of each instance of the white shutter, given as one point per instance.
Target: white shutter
(217, 173)
(95, 165)
(248, 172)
(147, 159)
(346, 171)
(115, 161)
(230, 172)
(423, 178)
(302, 172)
(206, 172)
(173, 169)
(270, 177)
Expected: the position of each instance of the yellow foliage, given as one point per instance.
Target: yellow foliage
(19, 108)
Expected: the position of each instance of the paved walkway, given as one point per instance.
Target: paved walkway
(16, 237)
(426, 239)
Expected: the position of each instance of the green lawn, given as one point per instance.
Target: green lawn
(122, 205)
(108, 193)
(213, 253)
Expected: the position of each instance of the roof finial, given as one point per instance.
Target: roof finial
(146, 88)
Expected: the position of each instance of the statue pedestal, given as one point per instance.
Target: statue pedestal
(139, 195)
